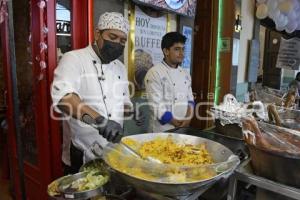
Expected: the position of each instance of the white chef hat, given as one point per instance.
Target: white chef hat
(113, 20)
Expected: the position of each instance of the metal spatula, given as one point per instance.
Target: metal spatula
(90, 121)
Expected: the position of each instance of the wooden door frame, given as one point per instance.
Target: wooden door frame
(269, 53)
(9, 112)
(210, 66)
(48, 133)
(81, 21)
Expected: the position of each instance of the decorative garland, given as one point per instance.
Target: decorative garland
(3, 10)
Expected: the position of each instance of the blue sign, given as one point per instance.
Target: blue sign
(175, 4)
(188, 33)
(182, 7)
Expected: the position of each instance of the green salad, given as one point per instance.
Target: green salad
(92, 180)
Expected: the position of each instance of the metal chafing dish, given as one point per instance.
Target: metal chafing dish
(220, 154)
(71, 194)
(61, 188)
(290, 118)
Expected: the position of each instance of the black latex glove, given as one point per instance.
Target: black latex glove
(109, 129)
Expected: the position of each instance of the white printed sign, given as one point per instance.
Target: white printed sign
(289, 54)
(148, 34)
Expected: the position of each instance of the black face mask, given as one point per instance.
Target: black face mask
(110, 51)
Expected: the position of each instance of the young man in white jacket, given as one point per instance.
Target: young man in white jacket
(168, 87)
(90, 86)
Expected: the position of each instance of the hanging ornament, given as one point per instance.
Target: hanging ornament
(41, 4)
(41, 77)
(43, 47)
(45, 30)
(29, 38)
(43, 65)
(38, 58)
(3, 10)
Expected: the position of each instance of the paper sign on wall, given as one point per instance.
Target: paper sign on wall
(289, 54)
(149, 31)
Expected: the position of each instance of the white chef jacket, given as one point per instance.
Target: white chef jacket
(104, 88)
(169, 93)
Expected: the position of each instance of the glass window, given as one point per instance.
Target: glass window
(63, 27)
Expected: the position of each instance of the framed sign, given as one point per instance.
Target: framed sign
(225, 44)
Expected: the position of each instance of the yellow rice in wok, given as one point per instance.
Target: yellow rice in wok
(170, 152)
(180, 159)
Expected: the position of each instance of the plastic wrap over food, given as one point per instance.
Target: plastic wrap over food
(290, 118)
(187, 165)
(230, 111)
(285, 117)
(268, 95)
(271, 138)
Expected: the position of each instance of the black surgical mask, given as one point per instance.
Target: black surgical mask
(110, 51)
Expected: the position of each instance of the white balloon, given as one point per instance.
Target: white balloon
(281, 21)
(296, 4)
(297, 13)
(291, 26)
(262, 11)
(276, 14)
(272, 5)
(280, 28)
(285, 6)
(292, 15)
(298, 27)
(286, 20)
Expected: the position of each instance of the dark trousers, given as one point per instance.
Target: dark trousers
(76, 156)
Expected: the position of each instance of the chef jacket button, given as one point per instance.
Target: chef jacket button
(175, 99)
(174, 84)
(109, 115)
(184, 82)
(104, 97)
(119, 77)
(123, 93)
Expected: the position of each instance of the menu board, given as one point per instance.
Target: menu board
(149, 31)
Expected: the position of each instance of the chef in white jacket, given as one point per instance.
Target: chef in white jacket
(168, 87)
(90, 87)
